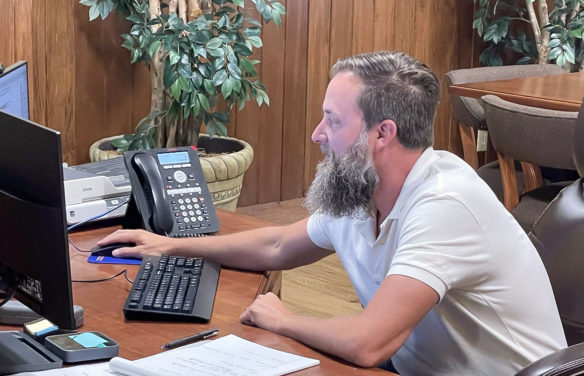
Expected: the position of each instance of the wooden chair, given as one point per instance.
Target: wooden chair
(535, 137)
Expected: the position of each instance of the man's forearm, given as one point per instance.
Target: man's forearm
(341, 336)
(251, 250)
(268, 248)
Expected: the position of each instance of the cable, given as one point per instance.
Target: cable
(77, 247)
(124, 272)
(96, 217)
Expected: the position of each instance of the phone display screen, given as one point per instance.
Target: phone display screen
(173, 158)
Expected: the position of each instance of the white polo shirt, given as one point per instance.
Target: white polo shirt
(496, 313)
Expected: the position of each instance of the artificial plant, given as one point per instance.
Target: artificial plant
(198, 52)
(537, 31)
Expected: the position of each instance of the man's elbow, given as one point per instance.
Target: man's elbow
(367, 356)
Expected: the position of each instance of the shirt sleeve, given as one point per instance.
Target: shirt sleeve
(318, 231)
(442, 245)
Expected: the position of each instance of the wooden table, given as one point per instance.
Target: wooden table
(562, 92)
(103, 303)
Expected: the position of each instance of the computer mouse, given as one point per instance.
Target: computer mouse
(106, 250)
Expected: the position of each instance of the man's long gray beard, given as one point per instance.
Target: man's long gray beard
(344, 186)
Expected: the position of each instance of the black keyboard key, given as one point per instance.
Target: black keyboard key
(167, 288)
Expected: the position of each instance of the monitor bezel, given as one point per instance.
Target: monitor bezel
(35, 239)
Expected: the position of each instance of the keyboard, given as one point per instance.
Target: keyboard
(173, 288)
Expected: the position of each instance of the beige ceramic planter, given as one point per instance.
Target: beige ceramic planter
(223, 172)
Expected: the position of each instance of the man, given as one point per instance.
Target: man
(449, 282)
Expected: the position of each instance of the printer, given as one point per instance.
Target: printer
(94, 188)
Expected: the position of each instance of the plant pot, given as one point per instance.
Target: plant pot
(223, 170)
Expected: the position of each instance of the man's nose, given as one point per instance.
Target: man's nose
(318, 135)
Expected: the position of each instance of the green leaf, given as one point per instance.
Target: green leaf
(209, 86)
(135, 56)
(105, 7)
(246, 65)
(174, 57)
(497, 31)
(93, 12)
(241, 49)
(577, 33)
(184, 84)
(236, 85)
(219, 63)
(277, 17)
(234, 70)
(211, 127)
(217, 52)
(554, 43)
(252, 31)
(204, 101)
(239, 3)
(524, 60)
(227, 88)
(213, 43)
(279, 7)
(175, 90)
(204, 70)
(554, 53)
(120, 143)
(196, 106)
(87, 2)
(134, 18)
(219, 77)
(561, 60)
(153, 48)
(221, 129)
(256, 41)
(265, 96)
(184, 69)
(569, 53)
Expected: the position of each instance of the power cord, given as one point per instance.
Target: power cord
(124, 272)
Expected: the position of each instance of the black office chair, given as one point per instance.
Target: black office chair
(558, 236)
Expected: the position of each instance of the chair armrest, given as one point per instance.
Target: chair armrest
(564, 362)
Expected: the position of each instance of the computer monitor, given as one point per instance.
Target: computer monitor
(34, 255)
(14, 90)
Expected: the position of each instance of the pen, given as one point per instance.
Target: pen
(191, 339)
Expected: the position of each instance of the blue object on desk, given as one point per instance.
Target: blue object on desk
(113, 260)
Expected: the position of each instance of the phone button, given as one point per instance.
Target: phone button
(180, 176)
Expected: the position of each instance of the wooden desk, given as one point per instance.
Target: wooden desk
(562, 92)
(103, 301)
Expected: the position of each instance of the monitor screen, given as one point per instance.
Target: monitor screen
(34, 255)
(14, 90)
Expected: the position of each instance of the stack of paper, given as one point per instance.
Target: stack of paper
(229, 355)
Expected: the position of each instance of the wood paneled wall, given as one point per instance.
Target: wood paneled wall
(82, 83)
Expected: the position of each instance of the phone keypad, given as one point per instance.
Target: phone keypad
(189, 208)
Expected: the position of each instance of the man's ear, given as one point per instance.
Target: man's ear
(386, 132)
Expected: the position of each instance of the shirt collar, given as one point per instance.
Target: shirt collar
(413, 180)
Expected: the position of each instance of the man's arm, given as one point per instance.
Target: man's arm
(367, 338)
(268, 248)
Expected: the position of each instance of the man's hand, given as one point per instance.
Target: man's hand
(146, 242)
(267, 312)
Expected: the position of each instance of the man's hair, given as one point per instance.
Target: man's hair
(397, 87)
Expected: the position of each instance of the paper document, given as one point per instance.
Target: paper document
(229, 355)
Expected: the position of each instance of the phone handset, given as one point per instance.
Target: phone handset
(151, 180)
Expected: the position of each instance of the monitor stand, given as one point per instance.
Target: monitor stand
(14, 312)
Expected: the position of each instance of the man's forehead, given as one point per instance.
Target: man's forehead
(342, 93)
